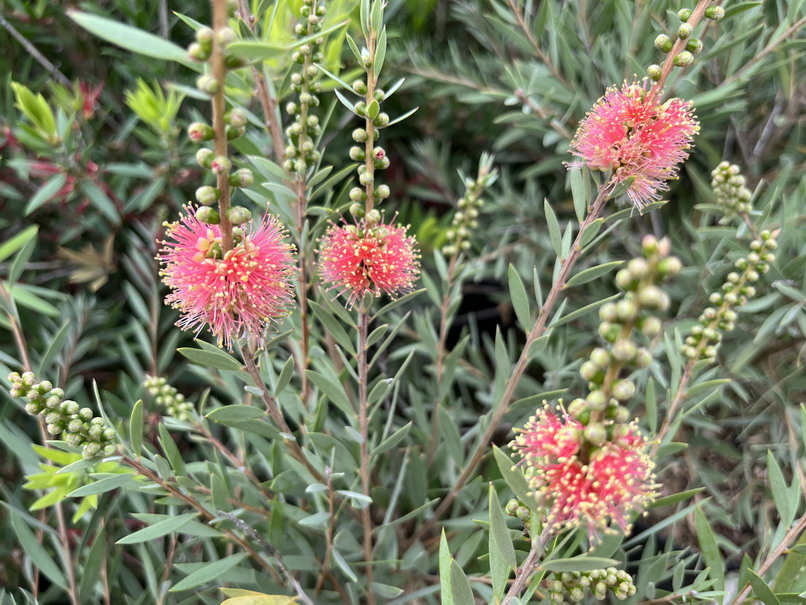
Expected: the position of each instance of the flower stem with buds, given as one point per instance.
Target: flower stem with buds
(219, 69)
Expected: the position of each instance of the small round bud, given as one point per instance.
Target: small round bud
(651, 327)
(683, 59)
(205, 157)
(381, 120)
(684, 31)
(626, 310)
(359, 135)
(208, 216)
(600, 357)
(360, 87)
(226, 36)
(238, 215)
(373, 217)
(596, 434)
(236, 118)
(207, 196)
(597, 401)
(683, 14)
(588, 370)
(654, 72)
(694, 46)
(512, 507)
(643, 359)
(198, 132)
(357, 194)
(360, 108)
(357, 154)
(382, 192)
(624, 350)
(242, 178)
(221, 165)
(715, 12)
(366, 179)
(669, 266)
(357, 210)
(624, 390)
(663, 43)
(205, 35)
(196, 52)
(208, 84)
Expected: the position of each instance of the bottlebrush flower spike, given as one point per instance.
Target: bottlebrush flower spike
(361, 258)
(636, 136)
(580, 488)
(235, 293)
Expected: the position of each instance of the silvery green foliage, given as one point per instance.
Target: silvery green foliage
(218, 494)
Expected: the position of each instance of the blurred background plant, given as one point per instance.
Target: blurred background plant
(93, 159)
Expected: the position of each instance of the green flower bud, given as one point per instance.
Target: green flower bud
(357, 194)
(381, 120)
(715, 12)
(242, 178)
(683, 59)
(373, 217)
(360, 87)
(205, 157)
(204, 36)
(238, 215)
(663, 43)
(357, 209)
(624, 390)
(357, 154)
(651, 326)
(208, 84)
(597, 401)
(683, 14)
(694, 46)
(684, 31)
(359, 135)
(600, 357)
(208, 215)
(512, 507)
(382, 192)
(669, 266)
(198, 132)
(624, 350)
(233, 132)
(196, 52)
(207, 195)
(595, 434)
(221, 165)
(654, 72)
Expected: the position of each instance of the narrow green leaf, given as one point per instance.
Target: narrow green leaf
(18, 241)
(101, 201)
(445, 571)
(208, 573)
(583, 311)
(46, 192)
(333, 326)
(590, 232)
(255, 50)
(35, 551)
(333, 391)
(235, 413)
(102, 486)
(651, 407)
(580, 563)
(520, 300)
(55, 347)
(675, 498)
(392, 440)
(779, 490)
(709, 548)
(554, 228)
(170, 450)
(514, 478)
(211, 359)
(129, 38)
(136, 428)
(706, 386)
(380, 51)
(502, 553)
(285, 376)
(592, 273)
(21, 260)
(761, 590)
(577, 176)
(460, 587)
(159, 529)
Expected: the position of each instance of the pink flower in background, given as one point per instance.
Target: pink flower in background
(236, 293)
(356, 259)
(591, 487)
(637, 137)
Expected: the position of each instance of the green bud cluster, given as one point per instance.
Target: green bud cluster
(574, 586)
(515, 508)
(732, 196)
(665, 44)
(704, 338)
(301, 151)
(77, 425)
(168, 397)
(604, 408)
(235, 122)
(466, 217)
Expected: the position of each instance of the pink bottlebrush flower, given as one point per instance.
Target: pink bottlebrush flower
(236, 293)
(590, 488)
(356, 259)
(546, 436)
(635, 135)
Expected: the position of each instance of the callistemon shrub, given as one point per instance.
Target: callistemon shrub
(235, 292)
(453, 315)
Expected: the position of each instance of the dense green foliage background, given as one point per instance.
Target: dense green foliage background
(487, 76)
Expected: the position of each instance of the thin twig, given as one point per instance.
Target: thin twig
(363, 424)
(34, 52)
(271, 551)
(525, 572)
(219, 69)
